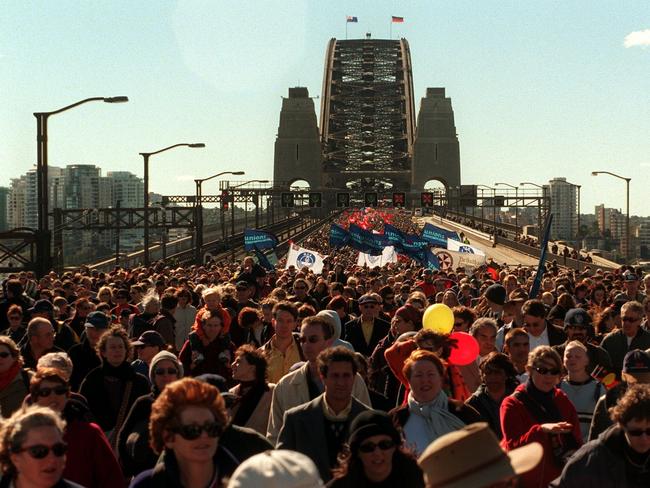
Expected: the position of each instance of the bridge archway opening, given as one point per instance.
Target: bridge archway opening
(299, 185)
(437, 187)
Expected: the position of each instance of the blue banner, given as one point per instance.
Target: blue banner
(437, 236)
(259, 239)
(339, 237)
(393, 235)
(542, 259)
(365, 241)
(431, 259)
(264, 260)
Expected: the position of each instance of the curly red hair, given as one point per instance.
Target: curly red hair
(204, 313)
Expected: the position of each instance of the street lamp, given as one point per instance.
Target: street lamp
(540, 231)
(232, 214)
(482, 187)
(516, 188)
(627, 218)
(146, 156)
(43, 241)
(198, 217)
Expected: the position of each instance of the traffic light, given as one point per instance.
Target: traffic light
(287, 199)
(399, 199)
(499, 201)
(225, 199)
(342, 199)
(315, 199)
(426, 199)
(370, 199)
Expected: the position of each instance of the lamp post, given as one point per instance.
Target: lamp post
(482, 187)
(146, 157)
(628, 258)
(516, 188)
(43, 240)
(540, 231)
(198, 217)
(232, 215)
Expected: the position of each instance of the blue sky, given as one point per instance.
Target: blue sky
(540, 88)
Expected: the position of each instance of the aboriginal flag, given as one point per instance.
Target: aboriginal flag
(397, 20)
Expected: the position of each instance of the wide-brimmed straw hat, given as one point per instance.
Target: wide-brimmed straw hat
(472, 458)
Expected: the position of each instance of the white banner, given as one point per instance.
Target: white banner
(460, 247)
(450, 260)
(388, 256)
(301, 257)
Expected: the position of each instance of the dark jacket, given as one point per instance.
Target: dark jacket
(101, 384)
(380, 377)
(29, 361)
(601, 463)
(353, 333)
(405, 473)
(304, 431)
(15, 335)
(164, 325)
(84, 359)
(133, 446)
(487, 408)
(217, 356)
(65, 337)
(166, 473)
(615, 343)
(556, 335)
(601, 420)
(141, 322)
(240, 443)
(6, 481)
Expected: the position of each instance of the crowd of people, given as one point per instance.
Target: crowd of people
(232, 375)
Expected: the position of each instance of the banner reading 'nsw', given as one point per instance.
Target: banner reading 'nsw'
(453, 245)
(339, 237)
(259, 239)
(438, 236)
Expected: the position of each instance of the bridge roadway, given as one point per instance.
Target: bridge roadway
(499, 254)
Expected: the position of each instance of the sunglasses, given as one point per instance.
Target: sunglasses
(384, 445)
(311, 339)
(630, 319)
(637, 432)
(46, 392)
(547, 371)
(162, 371)
(4, 354)
(40, 451)
(192, 432)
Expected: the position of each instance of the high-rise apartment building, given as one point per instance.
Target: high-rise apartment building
(564, 207)
(4, 202)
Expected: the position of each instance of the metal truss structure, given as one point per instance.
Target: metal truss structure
(367, 114)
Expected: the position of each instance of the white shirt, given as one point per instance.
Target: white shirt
(541, 340)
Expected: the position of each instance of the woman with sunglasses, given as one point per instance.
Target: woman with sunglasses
(538, 411)
(187, 420)
(16, 329)
(375, 456)
(90, 461)
(32, 450)
(133, 444)
(621, 455)
(14, 380)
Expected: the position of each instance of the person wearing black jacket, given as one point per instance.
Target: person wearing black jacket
(112, 388)
(365, 332)
(84, 355)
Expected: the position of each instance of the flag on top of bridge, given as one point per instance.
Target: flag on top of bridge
(339, 236)
(453, 245)
(437, 236)
(301, 257)
(259, 239)
(397, 20)
(350, 18)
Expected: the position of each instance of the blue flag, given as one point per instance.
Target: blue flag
(438, 236)
(259, 239)
(393, 235)
(365, 241)
(339, 237)
(542, 259)
(263, 260)
(431, 259)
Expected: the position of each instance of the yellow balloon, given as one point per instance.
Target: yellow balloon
(438, 318)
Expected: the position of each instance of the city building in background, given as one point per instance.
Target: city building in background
(4, 208)
(564, 207)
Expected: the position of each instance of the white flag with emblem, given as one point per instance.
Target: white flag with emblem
(301, 257)
(460, 247)
(387, 256)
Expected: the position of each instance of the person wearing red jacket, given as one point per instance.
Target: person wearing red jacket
(538, 411)
(90, 460)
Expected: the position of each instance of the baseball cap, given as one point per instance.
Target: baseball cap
(41, 306)
(577, 316)
(149, 338)
(97, 320)
(496, 293)
(637, 364)
(367, 298)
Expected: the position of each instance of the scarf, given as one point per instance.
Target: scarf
(251, 394)
(549, 411)
(122, 372)
(8, 376)
(438, 419)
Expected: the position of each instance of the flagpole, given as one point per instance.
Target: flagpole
(390, 36)
(346, 29)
